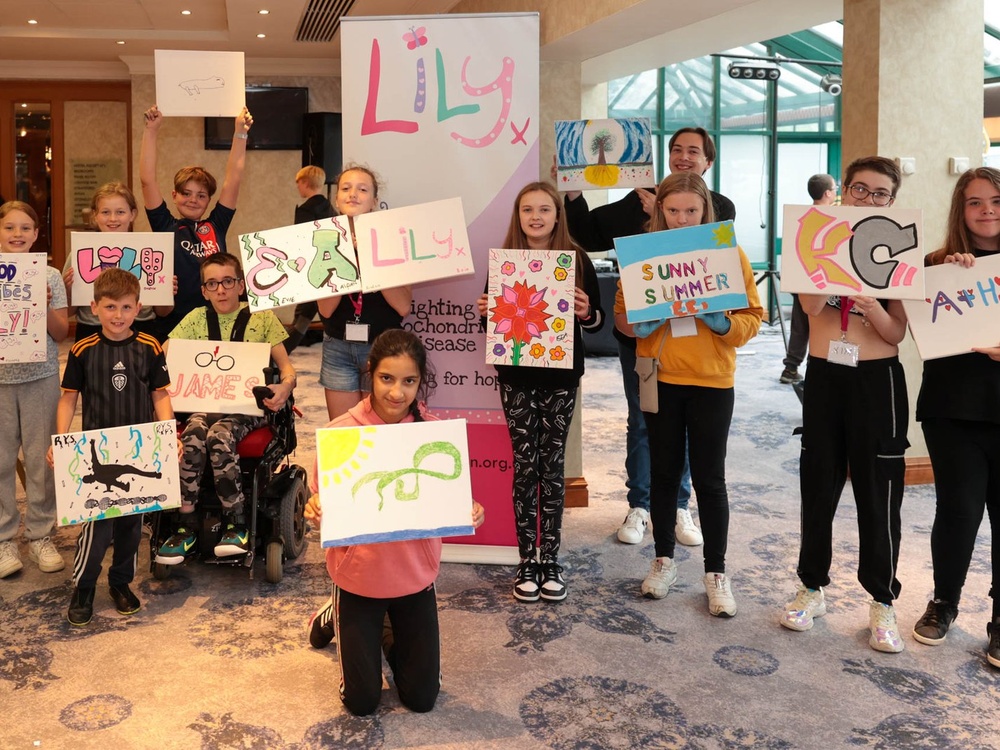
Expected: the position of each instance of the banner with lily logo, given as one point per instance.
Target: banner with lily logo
(530, 319)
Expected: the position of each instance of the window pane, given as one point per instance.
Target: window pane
(687, 94)
(743, 179)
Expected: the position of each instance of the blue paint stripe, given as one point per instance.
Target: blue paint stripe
(721, 303)
(401, 536)
(642, 247)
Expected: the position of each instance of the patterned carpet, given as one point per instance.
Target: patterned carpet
(215, 660)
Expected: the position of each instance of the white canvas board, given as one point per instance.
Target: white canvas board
(849, 250)
(395, 482)
(424, 242)
(23, 308)
(149, 256)
(216, 376)
(114, 472)
(299, 263)
(193, 83)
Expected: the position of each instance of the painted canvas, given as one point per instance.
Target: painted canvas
(531, 299)
(149, 256)
(598, 154)
(23, 307)
(216, 376)
(849, 250)
(681, 272)
(961, 309)
(394, 482)
(424, 242)
(192, 83)
(299, 263)
(115, 472)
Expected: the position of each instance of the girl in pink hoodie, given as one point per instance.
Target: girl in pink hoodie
(391, 582)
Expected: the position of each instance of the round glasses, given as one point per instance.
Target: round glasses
(227, 283)
(879, 197)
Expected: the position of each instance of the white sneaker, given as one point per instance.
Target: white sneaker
(44, 552)
(662, 575)
(885, 631)
(720, 596)
(10, 560)
(800, 612)
(633, 528)
(685, 532)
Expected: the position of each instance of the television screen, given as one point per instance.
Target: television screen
(277, 120)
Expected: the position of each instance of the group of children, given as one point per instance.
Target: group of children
(374, 372)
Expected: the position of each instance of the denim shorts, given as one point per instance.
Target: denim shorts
(345, 365)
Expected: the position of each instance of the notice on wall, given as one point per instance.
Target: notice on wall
(86, 175)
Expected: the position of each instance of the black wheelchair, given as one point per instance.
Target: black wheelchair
(275, 492)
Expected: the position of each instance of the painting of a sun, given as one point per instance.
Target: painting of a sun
(340, 452)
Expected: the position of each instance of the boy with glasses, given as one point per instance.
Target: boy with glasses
(854, 416)
(214, 437)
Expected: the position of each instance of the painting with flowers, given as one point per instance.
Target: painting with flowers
(530, 318)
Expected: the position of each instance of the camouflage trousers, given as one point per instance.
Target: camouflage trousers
(209, 438)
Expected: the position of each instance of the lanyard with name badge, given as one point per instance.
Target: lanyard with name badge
(843, 352)
(356, 331)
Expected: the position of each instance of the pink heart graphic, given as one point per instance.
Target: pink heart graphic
(109, 255)
(298, 264)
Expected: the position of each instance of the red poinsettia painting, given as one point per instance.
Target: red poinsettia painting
(519, 314)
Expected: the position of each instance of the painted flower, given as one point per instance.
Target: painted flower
(537, 350)
(499, 350)
(564, 260)
(519, 312)
(563, 305)
(559, 324)
(508, 268)
(557, 353)
(560, 274)
(535, 266)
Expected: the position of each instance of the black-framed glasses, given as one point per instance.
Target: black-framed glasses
(860, 192)
(227, 283)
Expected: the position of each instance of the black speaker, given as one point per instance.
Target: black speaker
(321, 142)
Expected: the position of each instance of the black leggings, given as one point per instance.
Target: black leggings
(414, 656)
(701, 416)
(966, 460)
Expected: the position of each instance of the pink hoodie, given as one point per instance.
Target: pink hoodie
(389, 569)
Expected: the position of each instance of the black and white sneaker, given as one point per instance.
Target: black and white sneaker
(526, 580)
(993, 649)
(932, 628)
(553, 585)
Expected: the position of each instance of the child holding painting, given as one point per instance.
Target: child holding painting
(538, 403)
(959, 411)
(193, 188)
(695, 376)
(212, 438)
(139, 395)
(29, 392)
(112, 209)
(352, 322)
(854, 419)
(392, 583)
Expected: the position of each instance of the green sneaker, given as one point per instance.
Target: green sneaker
(177, 547)
(235, 541)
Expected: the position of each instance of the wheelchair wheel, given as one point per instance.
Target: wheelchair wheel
(293, 523)
(161, 572)
(273, 563)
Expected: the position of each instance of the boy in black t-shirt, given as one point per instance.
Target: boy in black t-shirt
(123, 378)
(194, 238)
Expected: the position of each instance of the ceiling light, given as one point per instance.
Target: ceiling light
(185, 13)
(120, 41)
(24, 132)
(263, 11)
(261, 36)
(24, 106)
(32, 21)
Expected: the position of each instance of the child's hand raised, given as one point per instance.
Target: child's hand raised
(153, 117)
(243, 121)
